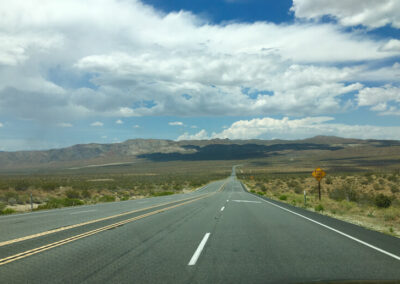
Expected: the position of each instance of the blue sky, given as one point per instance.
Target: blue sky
(106, 71)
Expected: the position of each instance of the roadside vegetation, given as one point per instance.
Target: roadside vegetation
(63, 189)
(368, 199)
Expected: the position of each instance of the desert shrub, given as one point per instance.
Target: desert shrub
(328, 180)
(21, 185)
(366, 199)
(381, 181)
(2, 206)
(392, 178)
(60, 202)
(337, 194)
(86, 194)
(298, 189)
(292, 183)
(382, 201)
(12, 201)
(7, 211)
(377, 187)
(283, 197)
(73, 194)
(394, 188)
(72, 202)
(107, 198)
(319, 208)
(124, 197)
(49, 186)
(344, 192)
(261, 186)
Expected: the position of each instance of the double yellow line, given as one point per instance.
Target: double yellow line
(92, 232)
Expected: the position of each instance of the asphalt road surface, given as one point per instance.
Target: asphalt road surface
(217, 234)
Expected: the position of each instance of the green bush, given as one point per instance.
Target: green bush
(107, 198)
(60, 202)
(7, 211)
(2, 206)
(383, 201)
(283, 197)
(319, 208)
(71, 202)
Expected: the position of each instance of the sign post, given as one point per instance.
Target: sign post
(318, 173)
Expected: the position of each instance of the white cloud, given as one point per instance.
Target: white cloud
(286, 128)
(1, 124)
(201, 135)
(370, 13)
(392, 45)
(119, 121)
(145, 71)
(385, 100)
(175, 123)
(97, 124)
(64, 124)
(136, 126)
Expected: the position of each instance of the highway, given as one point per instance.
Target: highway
(217, 234)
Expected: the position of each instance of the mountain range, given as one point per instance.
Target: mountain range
(156, 150)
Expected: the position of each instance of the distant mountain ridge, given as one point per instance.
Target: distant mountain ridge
(166, 150)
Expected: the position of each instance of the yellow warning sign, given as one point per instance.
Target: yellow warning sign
(318, 173)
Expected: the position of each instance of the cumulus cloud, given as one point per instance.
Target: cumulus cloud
(385, 100)
(97, 124)
(203, 69)
(270, 128)
(175, 123)
(119, 121)
(369, 13)
(1, 124)
(201, 135)
(136, 126)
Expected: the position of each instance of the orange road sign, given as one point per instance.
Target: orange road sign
(318, 173)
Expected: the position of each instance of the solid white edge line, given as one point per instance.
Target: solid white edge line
(199, 249)
(223, 207)
(337, 231)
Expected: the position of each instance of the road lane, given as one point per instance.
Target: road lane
(19, 225)
(249, 241)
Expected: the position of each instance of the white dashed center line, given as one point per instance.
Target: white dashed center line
(199, 249)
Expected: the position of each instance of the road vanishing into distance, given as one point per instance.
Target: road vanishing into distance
(217, 234)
